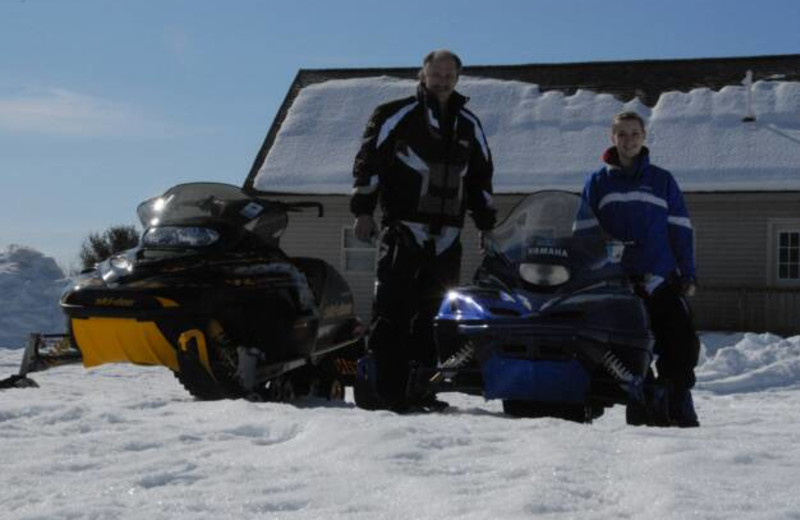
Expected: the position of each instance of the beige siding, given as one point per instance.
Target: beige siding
(731, 238)
(732, 262)
(749, 309)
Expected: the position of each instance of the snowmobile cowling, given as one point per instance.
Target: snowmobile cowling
(209, 294)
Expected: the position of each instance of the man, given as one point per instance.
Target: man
(425, 158)
(640, 204)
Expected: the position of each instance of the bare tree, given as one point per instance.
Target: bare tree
(99, 246)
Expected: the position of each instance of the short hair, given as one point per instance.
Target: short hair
(629, 115)
(437, 54)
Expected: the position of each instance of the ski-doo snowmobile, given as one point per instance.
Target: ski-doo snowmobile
(549, 325)
(209, 294)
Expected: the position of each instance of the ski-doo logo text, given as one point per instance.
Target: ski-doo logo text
(549, 251)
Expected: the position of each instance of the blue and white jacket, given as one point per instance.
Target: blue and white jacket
(645, 209)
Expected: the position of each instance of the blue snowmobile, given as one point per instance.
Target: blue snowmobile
(550, 325)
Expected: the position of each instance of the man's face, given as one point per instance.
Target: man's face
(628, 136)
(440, 77)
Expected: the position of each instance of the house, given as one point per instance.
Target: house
(728, 129)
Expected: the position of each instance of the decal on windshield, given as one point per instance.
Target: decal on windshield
(252, 210)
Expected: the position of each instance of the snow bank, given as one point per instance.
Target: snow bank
(748, 362)
(30, 287)
(550, 140)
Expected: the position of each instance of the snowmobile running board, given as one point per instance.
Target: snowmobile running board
(251, 375)
(43, 351)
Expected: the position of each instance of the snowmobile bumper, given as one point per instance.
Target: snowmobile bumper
(138, 327)
(543, 381)
(554, 362)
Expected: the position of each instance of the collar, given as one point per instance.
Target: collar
(612, 162)
(430, 105)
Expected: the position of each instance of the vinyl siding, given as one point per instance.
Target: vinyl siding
(732, 237)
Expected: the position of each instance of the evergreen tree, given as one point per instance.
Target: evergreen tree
(99, 246)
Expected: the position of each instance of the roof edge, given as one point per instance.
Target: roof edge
(518, 66)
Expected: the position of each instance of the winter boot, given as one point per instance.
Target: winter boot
(648, 404)
(636, 410)
(681, 409)
(431, 403)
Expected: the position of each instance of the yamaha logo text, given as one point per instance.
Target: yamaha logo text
(549, 251)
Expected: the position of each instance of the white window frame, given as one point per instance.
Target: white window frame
(362, 247)
(775, 228)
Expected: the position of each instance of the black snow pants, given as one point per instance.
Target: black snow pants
(410, 284)
(676, 342)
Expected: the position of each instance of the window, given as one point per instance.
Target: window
(784, 253)
(789, 255)
(357, 256)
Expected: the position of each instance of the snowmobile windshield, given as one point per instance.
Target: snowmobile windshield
(187, 214)
(537, 240)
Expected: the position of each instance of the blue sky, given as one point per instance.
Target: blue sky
(105, 103)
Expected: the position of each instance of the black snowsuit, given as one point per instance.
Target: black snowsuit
(677, 345)
(426, 171)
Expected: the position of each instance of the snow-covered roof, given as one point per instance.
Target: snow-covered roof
(547, 139)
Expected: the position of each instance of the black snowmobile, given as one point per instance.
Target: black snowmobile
(209, 294)
(549, 325)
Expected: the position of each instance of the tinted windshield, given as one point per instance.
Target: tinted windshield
(541, 225)
(187, 203)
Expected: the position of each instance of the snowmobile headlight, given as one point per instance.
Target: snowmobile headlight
(120, 263)
(112, 269)
(179, 236)
(461, 307)
(544, 274)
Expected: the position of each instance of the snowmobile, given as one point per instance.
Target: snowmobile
(549, 325)
(209, 294)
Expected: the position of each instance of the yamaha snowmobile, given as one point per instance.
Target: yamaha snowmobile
(549, 325)
(209, 294)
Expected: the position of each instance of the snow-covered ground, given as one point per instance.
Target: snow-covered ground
(127, 442)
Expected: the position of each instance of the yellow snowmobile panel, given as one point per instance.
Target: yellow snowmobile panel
(122, 340)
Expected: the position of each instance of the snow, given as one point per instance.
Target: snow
(544, 140)
(121, 441)
(30, 287)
